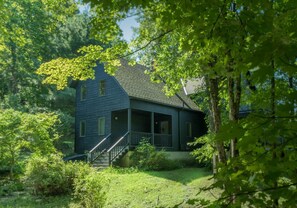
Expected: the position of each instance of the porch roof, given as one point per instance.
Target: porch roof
(138, 85)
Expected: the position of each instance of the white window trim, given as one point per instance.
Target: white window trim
(189, 129)
(81, 91)
(100, 119)
(99, 88)
(80, 128)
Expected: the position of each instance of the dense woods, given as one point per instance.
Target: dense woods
(34, 115)
(244, 51)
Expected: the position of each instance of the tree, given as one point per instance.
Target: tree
(21, 133)
(34, 32)
(24, 45)
(225, 42)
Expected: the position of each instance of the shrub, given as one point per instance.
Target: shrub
(168, 164)
(7, 187)
(52, 176)
(205, 152)
(146, 157)
(89, 190)
(76, 170)
(47, 175)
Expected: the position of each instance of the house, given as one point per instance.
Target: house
(128, 107)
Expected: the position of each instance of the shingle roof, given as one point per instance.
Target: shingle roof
(138, 85)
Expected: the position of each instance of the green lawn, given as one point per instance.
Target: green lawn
(134, 189)
(25, 200)
(156, 189)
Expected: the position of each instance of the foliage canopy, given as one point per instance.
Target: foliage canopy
(246, 51)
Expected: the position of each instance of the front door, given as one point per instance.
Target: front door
(119, 124)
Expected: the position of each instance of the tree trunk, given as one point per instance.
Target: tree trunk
(216, 116)
(234, 94)
(211, 125)
(273, 112)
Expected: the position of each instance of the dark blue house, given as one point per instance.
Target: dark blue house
(128, 106)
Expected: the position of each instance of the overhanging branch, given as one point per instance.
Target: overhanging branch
(147, 44)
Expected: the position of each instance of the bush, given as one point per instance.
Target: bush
(205, 152)
(168, 164)
(47, 175)
(146, 157)
(76, 170)
(50, 175)
(7, 187)
(90, 189)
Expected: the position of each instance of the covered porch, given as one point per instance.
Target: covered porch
(155, 127)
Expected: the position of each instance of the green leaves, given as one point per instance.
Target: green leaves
(20, 132)
(192, 39)
(31, 30)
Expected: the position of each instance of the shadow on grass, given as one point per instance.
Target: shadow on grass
(183, 175)
(27, 200)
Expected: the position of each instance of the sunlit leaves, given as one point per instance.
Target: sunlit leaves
(22, 133)
(189, 39)
(81, 67)
(26, 41)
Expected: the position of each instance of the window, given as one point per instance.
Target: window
(82, 129)
(102, 87)
(162, 123)
(164, 127)
(101, 126)
(83, 91)
(189, 129)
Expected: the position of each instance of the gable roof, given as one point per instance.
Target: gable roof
(138, 85)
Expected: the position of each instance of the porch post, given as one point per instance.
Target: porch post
(152, 127)
(129, 125)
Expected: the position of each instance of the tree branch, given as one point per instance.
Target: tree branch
(287, 63)
(213, 26)
(146, 45)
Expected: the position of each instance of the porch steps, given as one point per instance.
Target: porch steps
(103, 161)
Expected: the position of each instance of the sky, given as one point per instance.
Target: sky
(127, 27)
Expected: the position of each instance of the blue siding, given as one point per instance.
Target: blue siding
(95, 106)
(198, 123)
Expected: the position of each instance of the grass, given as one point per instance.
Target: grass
(156, 188)
(132, 188)
(25, 200)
